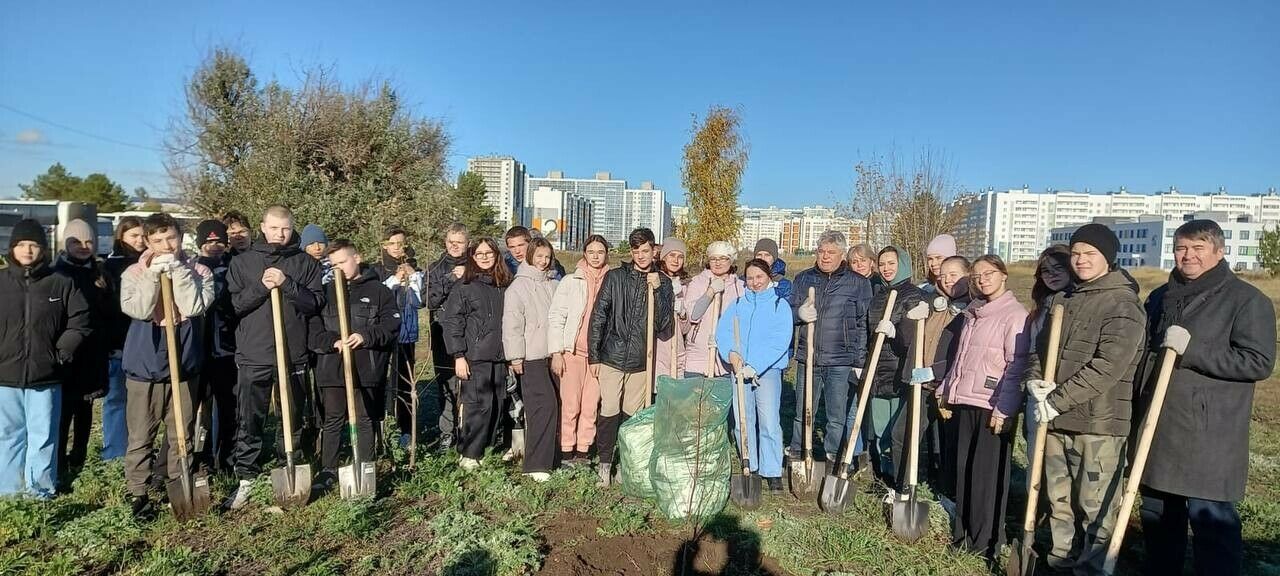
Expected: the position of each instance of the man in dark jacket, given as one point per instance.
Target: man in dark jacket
(43, 320)
(398, 271)
(441, 277)
(218, 377)
(616, 341)
(1199, 458)
(838, 312)
(1087, 404)
(374, 323)
(88, 375)
(274, 262)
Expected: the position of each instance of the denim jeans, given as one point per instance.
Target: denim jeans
(833, 397)
(29, 440)
(763, 399)
(115, 431)
(1216, 544)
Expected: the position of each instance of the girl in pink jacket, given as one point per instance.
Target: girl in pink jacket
(720, 277)
(984, 391)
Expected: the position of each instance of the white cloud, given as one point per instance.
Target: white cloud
(30, 136)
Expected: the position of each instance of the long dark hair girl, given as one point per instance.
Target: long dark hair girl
(498, 269)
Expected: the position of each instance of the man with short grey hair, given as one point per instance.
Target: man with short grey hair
(441, 278)
(838, 311)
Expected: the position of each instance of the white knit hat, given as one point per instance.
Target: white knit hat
(720, 248)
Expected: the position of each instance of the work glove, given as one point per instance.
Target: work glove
(808, 312)
(1176, 338)
(1040, 389)
(716, 286)
(161, 264)
(921, 375)
(918, 312)
(940, 303)
(886, 327)
(679, 307)
(944, 409)
(1044, 412)
(748, 373)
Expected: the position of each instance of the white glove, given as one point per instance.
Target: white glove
(1044, 412)
(679, 307)
(808, 312)
(716, 286)
(1176, 338)
(940, 303)
(918, 312)
(1040, 389)
(162, 263)
(921, 375)
(748, 373)
(886, 327)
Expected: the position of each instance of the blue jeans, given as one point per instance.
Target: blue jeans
(877, 426)
(1216, 544)
(833, 396)
(763, 399)
(115, 430)
(29, 440)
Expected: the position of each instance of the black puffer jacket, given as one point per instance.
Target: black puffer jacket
(220, 324)
(440, 281)
(372, 314)
(89, 369)
(117, 325)
(302, 297)
(617, 330)
(472, 320)
(43, 321)
(893, 371)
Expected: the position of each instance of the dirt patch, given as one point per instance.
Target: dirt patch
(575, 548)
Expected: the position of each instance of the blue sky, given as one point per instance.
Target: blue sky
(1050, 94)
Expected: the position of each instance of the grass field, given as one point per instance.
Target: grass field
(439, 520)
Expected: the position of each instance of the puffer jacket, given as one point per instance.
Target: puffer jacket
(617, 327)
(302, 296)
(942, 329)
(1103, 328)
(764, 335)
(991, 358)
(842, 299)
(893, 370)
(472, 320)
(89, 369)
(43, 321)
(778, 273)
(372, 314)
(697, 346)
(220, 318)
(146, 350)
(440, 281)
(680, 325)
(525, 307)
(117, 322)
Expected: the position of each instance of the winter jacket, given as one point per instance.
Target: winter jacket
(617, 327)
(525, 307)
(842, 298)
(680, 326)
(146, 350)
(991, 358)
(440, 281)
(117, 323)
(568, 312)
(764, 330)
(43, 321)
(89, 369)
(697, 346)
(778, 273)
(408, 294)
(1201, 444)
(1103, 328)
(302, 296)
(893, 370)
(371, 313)
(220, 319)
(942, 336)
(472, 320)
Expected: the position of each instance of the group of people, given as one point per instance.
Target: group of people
(519, 343)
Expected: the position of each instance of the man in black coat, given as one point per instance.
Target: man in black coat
(1199, 459)
(616, 341)
(274, 261)
(441, 278)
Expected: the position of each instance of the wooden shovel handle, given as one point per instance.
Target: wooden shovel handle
(171, 342)
(914, 464)
(282, 370)
(348, 376)
(1042, 430)
(742, 400)
(648, 346)
(808, 387)
(868, 374)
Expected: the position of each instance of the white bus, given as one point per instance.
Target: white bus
(52, 214)
(107, 221)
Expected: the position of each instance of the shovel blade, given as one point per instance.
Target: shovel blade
(189, 493)
(517, 442)
(805, 484)
(835, 494)
(291, 485)
(745, 490)
(909, 519)
(358, 480)
(1023, 559)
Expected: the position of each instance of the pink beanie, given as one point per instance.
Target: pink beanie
(943, 245)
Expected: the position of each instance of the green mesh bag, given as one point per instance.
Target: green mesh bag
(692, 456)
(635, 451)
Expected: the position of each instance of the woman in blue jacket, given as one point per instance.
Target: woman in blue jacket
(764, 325)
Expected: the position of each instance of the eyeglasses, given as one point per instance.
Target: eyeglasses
(488, 254)
(719, 259)
(988, 275)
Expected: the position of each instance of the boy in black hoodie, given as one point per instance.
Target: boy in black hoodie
(273, 261)
(374, 323)
(219, 374)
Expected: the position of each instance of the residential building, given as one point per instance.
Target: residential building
(616, 209)
(504, 184)
(1148, 239)
(564, 218)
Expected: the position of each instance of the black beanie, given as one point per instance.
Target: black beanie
(211, 231)
(28, 229)
(1099, 237)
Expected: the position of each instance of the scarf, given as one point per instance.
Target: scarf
(1183, 291)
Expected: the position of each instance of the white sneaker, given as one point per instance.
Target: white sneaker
(469, 463)
(240, 497)
(539, 477)
(509, 455)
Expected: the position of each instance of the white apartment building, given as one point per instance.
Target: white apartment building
(1148, 239)
(1016, 224)
(504, 184)
(616, 209)
(564, 218)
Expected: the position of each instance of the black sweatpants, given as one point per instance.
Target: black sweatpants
(480, 405)
(937, 446)
(405, 380)
(218, 377)
(254, 387)
(982, 481)
(541, 416)
(334, 423)
(73, 430)
(445, 380)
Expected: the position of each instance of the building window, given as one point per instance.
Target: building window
(1244, 234)
(1168, 263)
(1226, 249)
(1226, 234)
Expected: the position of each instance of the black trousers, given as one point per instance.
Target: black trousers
(254, 387)
(480, 406)
(334, 423)
(1216, 544)
(219, 379)
(445, 380)
(982, 481)
(73, 430)
(937, 445)
(405, 380)
(541, 416)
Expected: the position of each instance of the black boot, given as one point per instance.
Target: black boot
(140, 506)
(607, 437)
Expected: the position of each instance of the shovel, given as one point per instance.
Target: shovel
(807, 480)
(189, 493)
(835, 487)
(648, 349)
(290, 484)
(909, 518)
(517, 415)
(358, 479)
(1023, 557)
(1167, 359)
(744, 489)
